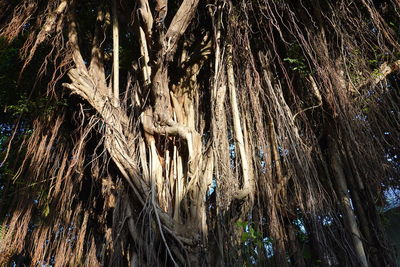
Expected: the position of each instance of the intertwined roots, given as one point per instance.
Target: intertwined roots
(209, 113)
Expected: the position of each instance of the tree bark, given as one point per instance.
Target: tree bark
(115, 29)
(345, 200)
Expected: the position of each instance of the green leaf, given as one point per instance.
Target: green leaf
(241, 224)
(245, 237)
(46, 210)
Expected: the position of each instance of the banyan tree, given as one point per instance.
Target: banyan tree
(200, 132)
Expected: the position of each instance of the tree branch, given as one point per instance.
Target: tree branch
(146, 17)
(179, 24)
(73, 41)
(96, 66)
(115, 29)
(384, 70)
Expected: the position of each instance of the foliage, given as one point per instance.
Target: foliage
(29, 109)
(279, 111)
(254, 247)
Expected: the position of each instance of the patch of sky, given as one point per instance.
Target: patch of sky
(300, 225)
(31, 227)
(391, 158)
(327, 220)
(212, 187)
(232, 154)
(71, 227)
(361, 117)
(392, 196)
(283, 151)
(262, 156)
(26, 26)
(269, 251)
(44, 264)
(350, 201)
(60, 232)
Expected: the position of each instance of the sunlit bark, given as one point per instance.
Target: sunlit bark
(216, 133)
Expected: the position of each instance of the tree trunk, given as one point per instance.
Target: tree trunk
(345, 201)
(115, 30)
(213, 131)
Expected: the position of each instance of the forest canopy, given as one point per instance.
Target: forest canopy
(198, 133)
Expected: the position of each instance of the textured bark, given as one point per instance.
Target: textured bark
(115, 29)
(203, 133)
(343, 194)
(248, 180)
